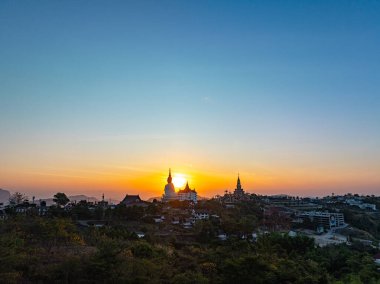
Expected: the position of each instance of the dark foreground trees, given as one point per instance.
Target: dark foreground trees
(61, 199)
(55, 250)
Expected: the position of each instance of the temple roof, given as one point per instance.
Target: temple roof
(130, 199)
(186, 189)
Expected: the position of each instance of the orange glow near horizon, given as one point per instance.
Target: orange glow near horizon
(149, 181)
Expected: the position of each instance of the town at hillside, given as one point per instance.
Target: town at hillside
(179, 238)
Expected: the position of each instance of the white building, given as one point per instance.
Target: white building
(377, 259)
(326, 219)
(359, 203)
(201, 215)
(368, 206)
(222, 237)
(140, 235)
(187, 194)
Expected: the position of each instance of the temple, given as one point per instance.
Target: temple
(239, 191)
(133, 200)
(230, 199)
(187, 194)
(169, 191)
(184, 194)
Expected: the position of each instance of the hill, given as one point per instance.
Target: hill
(76, 198)
(4, 195)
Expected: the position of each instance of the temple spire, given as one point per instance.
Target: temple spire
(170, 176)
(187, 186)
(238, 186)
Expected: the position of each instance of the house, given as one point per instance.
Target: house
(254, 237)
(222, 236)
(359, 203)
(3, 216)
(42, 209)
(25, 208)
(200, 215)
(175, 221)
(376, 258)
(366, 242)
(140, 235)
(158, 219)
(187, 224)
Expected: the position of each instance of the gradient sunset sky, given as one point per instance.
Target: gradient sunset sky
(105, 96)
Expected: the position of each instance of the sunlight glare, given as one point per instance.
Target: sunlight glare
(179, 180)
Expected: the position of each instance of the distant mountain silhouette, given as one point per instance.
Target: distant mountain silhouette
(280, 195)
(75, 198)
(4, 195)
(80, 197)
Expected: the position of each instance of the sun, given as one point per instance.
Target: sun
(179, 180)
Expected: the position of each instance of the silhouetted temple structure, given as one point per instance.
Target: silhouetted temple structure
(133, 200)
(187, 194)
(239, 191)
(169, 191)
(184, 194)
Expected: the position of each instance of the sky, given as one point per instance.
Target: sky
(106, 96)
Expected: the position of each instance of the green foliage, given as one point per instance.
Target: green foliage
(129, 213)
(56, 250)
(367, 222)
(189, 278)
(143, 250)
(61, 199)
(17, 198)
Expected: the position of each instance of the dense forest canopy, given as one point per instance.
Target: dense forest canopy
(54, 249)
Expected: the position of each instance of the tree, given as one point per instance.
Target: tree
(17, 198)
(61, 199)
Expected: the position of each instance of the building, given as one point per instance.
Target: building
(3, 215)
(359, 203)
(368, 206)
(133, 200)
(229, 199)
(43, 209)
(169, 190)
(140, 235)
(104, 203)
(239, 191)
(376, 258)
(222, 237)
(187, 194)
(292, 202)
(184, 194)
(158, 219)
(200, 215)
(326, 219)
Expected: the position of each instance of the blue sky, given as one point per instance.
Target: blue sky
(224, 86)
